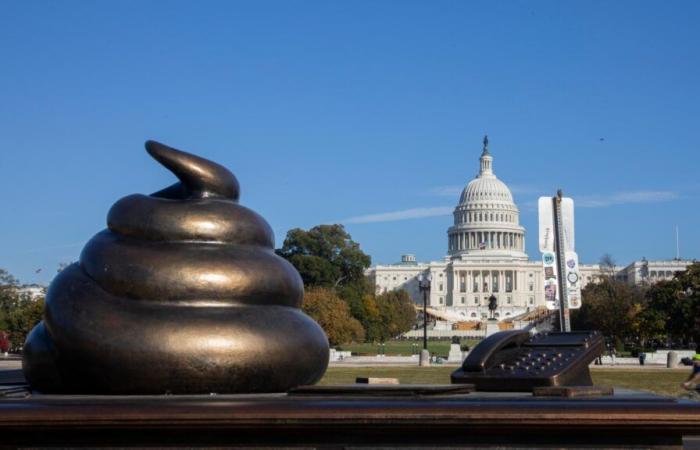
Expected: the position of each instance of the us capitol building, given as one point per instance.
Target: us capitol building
(486, 256)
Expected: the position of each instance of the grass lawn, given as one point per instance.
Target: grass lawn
(660, 381)
(404, 347)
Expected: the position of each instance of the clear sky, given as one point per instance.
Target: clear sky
(344, 111)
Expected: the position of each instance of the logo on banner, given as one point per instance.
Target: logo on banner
(548, 259)
(573, 279)
(550, 291)
(574, 299)
(550, 294)
(551, 287)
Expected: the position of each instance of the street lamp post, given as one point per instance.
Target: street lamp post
(424, 287)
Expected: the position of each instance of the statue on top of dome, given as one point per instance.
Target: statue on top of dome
(486, 144)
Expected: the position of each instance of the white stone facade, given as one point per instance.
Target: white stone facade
(486, 220)
(649, 272)
(486, 256)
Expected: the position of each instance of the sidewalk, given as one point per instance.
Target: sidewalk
(10, 363)
(383, 361)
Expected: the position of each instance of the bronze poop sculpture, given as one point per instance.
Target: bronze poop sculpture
(181, 294)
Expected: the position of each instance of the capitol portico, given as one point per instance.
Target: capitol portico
(485, 257)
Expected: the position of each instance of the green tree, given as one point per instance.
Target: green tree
(23, 318)
(613, 307)
(19, 313)
(652, 325)
(325, 256)
(673, 308)
(333, 314)
(8, 297)
(354, 294)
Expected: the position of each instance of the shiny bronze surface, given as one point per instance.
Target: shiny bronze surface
(475, 420)
(181, 294)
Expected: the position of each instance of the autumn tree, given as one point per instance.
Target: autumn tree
(333, 314)
(397, 313)
(385, 316)
(366, 311)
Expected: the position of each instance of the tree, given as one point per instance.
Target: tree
(366, 311)
(7, 280)
(660, 317)
(690, 285)
(8, 297)
(385, 316)
(27, 313)
(325, 256)
(607, 266)
(397, 313)
(19, 313)
(673, 308)
(333, 314)
(613, 307)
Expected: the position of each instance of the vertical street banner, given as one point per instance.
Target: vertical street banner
(573, 280)
(550, 254)
(546, 219)
(550, 283)
(567, 223)
(550, 271)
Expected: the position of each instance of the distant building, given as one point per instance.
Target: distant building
(486, 256)
(34, 291)
(649, 272)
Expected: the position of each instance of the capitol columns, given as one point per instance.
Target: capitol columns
(455, 285)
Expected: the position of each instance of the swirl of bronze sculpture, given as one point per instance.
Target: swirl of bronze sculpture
(182, 294)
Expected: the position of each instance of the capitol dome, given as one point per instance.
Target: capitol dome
(486, 220)
(486, 188)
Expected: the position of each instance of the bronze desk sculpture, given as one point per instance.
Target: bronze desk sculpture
(181, 294)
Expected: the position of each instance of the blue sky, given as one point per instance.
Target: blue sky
(346, 111)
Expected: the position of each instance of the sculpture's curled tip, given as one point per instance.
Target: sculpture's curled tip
(198, 177)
